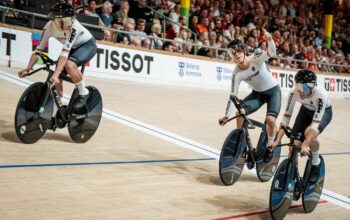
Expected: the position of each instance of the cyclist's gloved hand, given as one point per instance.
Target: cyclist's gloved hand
(223, 121)
(273, 146)
(305, 149)
(54, 80)
(23, 73)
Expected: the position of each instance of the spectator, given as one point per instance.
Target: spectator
(193, 25)
(167, 46)
(163, 7)
(156, 43)
(146, 43)
(203, 26)
(204, 51)
(175, 29)
(123, 11)
(140, 29)
(91, 9)
(106, 19)
(136, 42)
(106, 16)
(139, 10)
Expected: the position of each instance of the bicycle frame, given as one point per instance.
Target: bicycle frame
(293, 161)
(247, 124)
(53, 91)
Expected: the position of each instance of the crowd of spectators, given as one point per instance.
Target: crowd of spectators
(297, 27)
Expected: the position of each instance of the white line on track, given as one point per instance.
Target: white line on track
(330, 196)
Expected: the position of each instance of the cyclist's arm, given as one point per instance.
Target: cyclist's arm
(236, 80)
(292, 98)
(41, 46)
(280, 134)
(62, 60)
(263, 56)
(287, 115)
(47, 32)
(32, 61)
(312, 133)
(319, 112)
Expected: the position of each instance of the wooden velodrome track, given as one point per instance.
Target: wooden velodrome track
(130, 170)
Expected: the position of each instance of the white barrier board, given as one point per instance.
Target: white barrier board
(150, 67)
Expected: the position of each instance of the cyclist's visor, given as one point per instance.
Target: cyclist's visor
(305, 87)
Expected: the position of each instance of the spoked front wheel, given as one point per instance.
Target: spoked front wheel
(282, 190)
(312, 192)
(232, 157)
(31, 122)
(85, 121)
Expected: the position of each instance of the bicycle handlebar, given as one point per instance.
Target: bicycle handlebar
(45, 58)
(238, 103)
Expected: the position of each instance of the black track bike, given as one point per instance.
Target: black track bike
(287, 185)
(237, 150)
(35, 110)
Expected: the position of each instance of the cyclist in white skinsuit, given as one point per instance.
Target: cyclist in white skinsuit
(79, 46)
(266, 89)
(313, 117)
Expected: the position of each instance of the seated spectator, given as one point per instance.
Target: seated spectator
(116, 24)
(203, 25)
(156, 43)
(90, 10)
(106, 16)
(136, 42)
(128, 27)
(163, 7)
(106, 19)
(193, 25)
(168, 46)
(139, 10)
(146, 43)
(176, 47)
(140, 29)
(204, 51)
(123, 11)
(174, 28)
(188, 49)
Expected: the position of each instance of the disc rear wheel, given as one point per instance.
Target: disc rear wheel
(313, 192)
(81, 130)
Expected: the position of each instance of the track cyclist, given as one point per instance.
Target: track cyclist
(79, 46)
(253, 70)
(313, 117)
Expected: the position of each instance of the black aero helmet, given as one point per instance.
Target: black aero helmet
(236, 44)
(305, 76)
(61, 10)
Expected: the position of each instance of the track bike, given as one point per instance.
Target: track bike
(34, 112)
(237, 150)
(287, 185)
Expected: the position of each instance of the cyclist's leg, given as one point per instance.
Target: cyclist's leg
(273, 99)
(273, 110)
(302, 121)
(251, 103)
(78, 57)
(314, 143)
